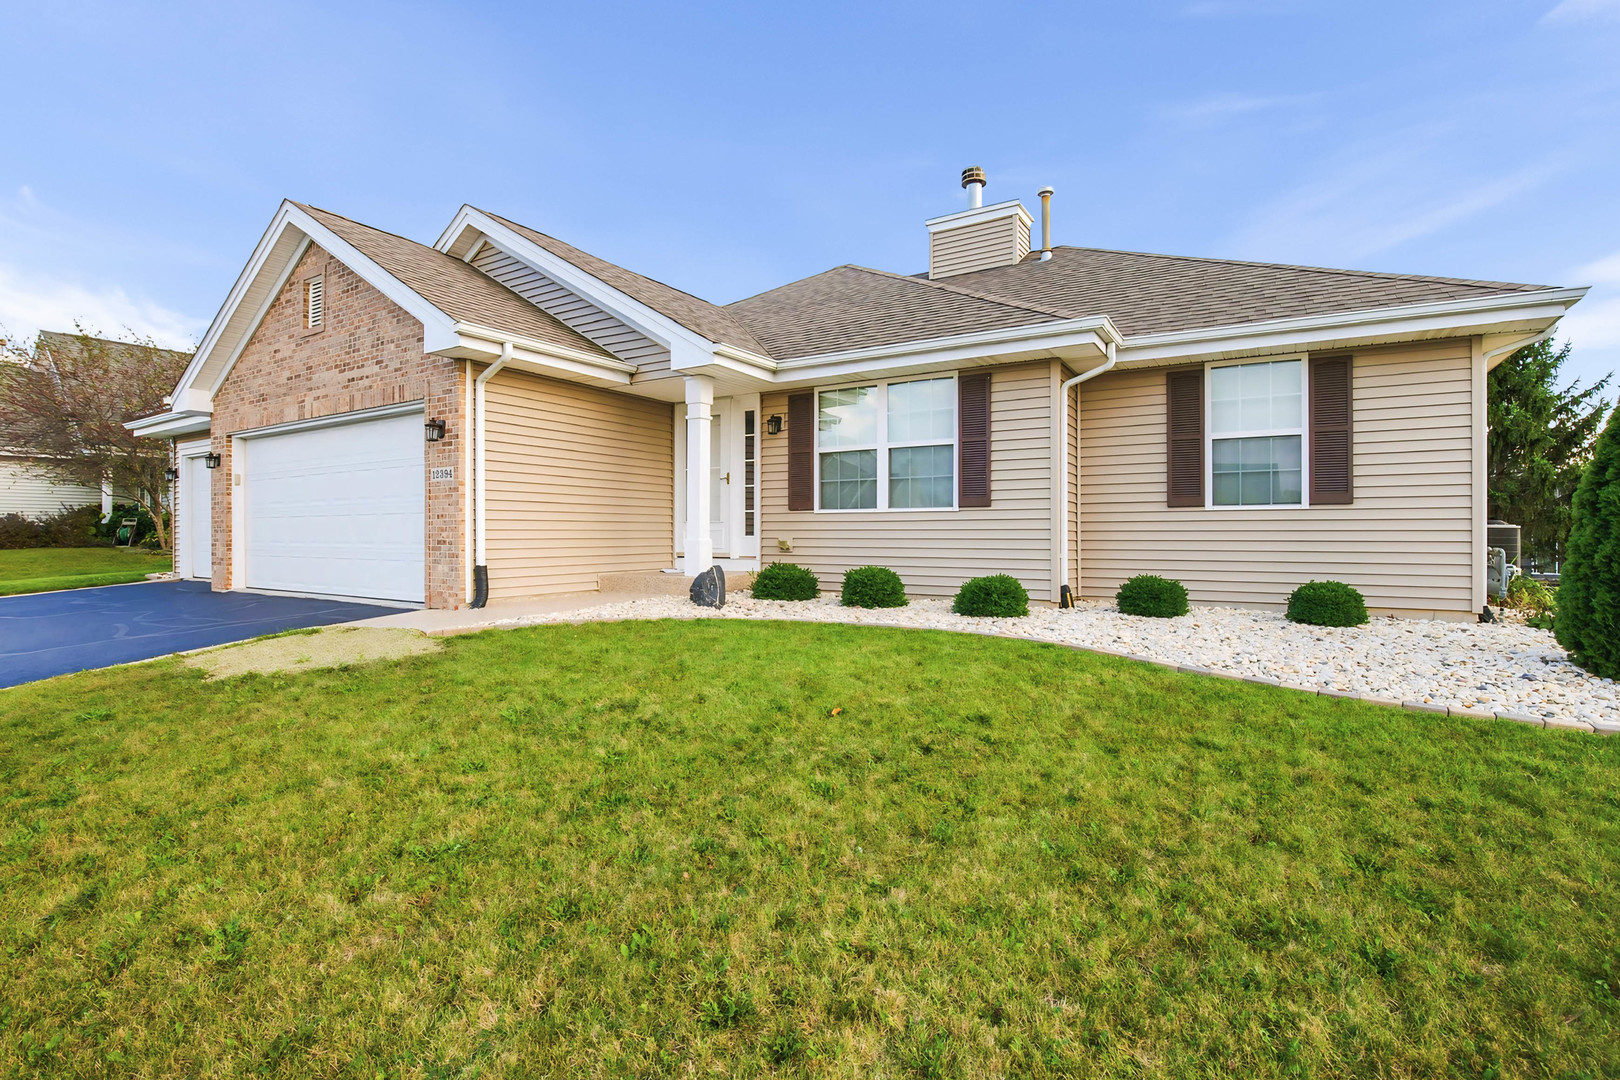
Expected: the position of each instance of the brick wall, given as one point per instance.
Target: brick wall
(368, 354)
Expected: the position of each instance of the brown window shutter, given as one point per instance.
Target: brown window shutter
(1184, 437)
(973, 440)
(801, 452)
(1331, 410)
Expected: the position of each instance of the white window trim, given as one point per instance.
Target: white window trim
(883, 446)
(1303, 431)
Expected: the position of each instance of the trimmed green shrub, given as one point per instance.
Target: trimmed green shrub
(999, 596)
(872, 586)
(1153, 596)
(1588, 623)
(1530, 596)
(1326, 603)
(785, 581)
(79, 527)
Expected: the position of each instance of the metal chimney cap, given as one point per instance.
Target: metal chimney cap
(973, 175)
(1047, 190)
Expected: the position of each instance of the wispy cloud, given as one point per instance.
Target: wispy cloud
(30, 303)
(1594, 323)
(1574, 11)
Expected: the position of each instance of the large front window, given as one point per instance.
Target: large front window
(1256, 431)
(887, 446)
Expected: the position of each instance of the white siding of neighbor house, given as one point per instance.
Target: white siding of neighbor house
(26, 492)
(625, 342)
(581, 483)
(1407, 542)
(934, 551)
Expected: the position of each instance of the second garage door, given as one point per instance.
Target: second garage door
(337, 511)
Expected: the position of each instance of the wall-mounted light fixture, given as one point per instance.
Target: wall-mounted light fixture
(171, 474)
(773, 426)
(435, 430)
(211, 460)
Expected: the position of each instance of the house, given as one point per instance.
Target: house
(502, 415)
(29, 486)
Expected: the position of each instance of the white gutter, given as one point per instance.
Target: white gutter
(480, 554)
(1063, 441)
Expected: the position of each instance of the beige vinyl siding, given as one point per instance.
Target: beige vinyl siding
(934, 551)
(581, 483)
(1406, 542)
(627, 343)
(26, 492)
(979, 246)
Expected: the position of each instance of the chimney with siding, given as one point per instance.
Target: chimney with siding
(980, 236)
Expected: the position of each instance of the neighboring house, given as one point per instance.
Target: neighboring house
(502, 410)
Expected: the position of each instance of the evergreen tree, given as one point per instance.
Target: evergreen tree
(1540, 437)
(1588, 620)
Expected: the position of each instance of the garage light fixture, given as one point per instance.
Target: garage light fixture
(773, 426)
(211, 460)
(171, 474)
(435, 430)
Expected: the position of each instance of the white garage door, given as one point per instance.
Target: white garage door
(337, 510)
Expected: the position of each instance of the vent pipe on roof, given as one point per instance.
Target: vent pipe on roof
(973, 179)
(1046, 222)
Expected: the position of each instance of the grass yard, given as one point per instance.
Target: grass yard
(29, 570)
(651, 849)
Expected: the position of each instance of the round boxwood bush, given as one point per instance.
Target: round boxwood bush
(785, 581)
(998, 596)
(1151, 595)
(1588, 622)
(872, 586)
(1327, 603)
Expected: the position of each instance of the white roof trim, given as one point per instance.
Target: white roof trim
(1011, 208)
(1470, 315)
(654, 324)
(169, 424)
(221, 340)
(1035, 336)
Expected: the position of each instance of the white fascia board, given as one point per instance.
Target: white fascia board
(632, 312)
(168, 425)
(557, 357)
(980, 214)
(1050, 335)
(1462, 316)
(976, 351)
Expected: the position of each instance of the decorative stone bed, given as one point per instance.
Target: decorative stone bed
(1501, 669)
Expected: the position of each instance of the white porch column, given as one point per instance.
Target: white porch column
(699, 414)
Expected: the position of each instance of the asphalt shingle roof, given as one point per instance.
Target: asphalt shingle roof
(458, 290)
(710, 320)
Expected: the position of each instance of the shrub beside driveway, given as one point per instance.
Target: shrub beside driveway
(722, 846)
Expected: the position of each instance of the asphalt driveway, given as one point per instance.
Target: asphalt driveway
(47, 634)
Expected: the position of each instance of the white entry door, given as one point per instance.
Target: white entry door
(196, 494)
(338, 510)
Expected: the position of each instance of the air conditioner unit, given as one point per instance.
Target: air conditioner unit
(1499, 534)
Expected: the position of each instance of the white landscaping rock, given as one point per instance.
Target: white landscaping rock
(1474, 668)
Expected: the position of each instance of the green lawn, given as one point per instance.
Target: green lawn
(42, 569)
(695, 849)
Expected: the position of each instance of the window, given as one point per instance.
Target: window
(887, 446)
(748, 472)
(314, 301)
(1256, 434)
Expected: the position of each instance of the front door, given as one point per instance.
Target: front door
(199, 515)
(733, 510)
(719, 483)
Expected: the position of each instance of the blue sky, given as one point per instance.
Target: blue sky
(728, 148)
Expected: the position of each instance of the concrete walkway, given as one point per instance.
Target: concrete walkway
(498, 613)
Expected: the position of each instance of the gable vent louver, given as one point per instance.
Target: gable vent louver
(315, 301)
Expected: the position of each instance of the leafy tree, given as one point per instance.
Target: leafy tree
(1540, 438)
(67, 401)
(1588, 620)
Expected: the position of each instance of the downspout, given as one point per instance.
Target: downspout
(1064, 592)
(480, 554)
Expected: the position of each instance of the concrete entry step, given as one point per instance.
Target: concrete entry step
(658, 583)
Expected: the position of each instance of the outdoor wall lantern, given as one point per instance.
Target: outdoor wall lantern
(773, 426)
(211, 460)
(435, 430)
(171, 474)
